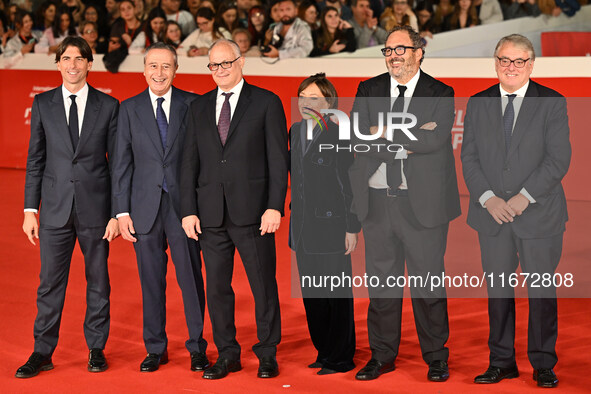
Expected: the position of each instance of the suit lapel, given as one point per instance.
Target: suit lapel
(91, 111)
(494, 111)
(211, 120)
(59, 117)
(178, 109)
(145, 112)
(243, 102)
(526, 112)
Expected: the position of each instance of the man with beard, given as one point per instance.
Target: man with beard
(405, 201)
(292, 36)
(184, 18)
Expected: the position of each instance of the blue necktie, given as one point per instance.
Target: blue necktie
(73, 124)
(163, 127)
(508, 118)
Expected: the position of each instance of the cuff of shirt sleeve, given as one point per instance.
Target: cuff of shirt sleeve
(121, 214)
(401, 154)
(527, 195)
(31, 210)
(485, 196)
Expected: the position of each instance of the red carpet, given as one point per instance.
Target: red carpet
(468, 326)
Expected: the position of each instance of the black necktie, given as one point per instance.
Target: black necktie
(163, 127)
(508, 118)
(225, 118)
(73, 126)
(393, 171)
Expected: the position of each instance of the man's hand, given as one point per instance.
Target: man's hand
(499, 210)
(192, 226)
(270, 221)
(519, 203)
(31, 227)
(429, 126)
(272, 53)
(350, 242)
(112, 230)
(126, 228)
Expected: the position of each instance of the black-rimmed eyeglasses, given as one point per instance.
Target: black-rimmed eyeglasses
(225, 65)
(399, 50)
(506, 62)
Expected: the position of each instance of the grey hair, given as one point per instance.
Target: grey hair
(162, 45)
(519, 41)
(225, 41)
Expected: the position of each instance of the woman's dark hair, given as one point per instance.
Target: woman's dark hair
(74, 41)
(303, 7)
(40, 14)
(155, 13)
(325, 38)
(208, 14)
(454, 18)
(220, 16)
(56, 27)
(20, 15)
(166, 39)
(326, 88)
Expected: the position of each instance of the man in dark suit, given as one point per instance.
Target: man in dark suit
(405, 201)
(72, 133)
(515, 152)
(146, 195)
(233, 185)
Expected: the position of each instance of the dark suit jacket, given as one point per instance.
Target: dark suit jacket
(320, 193)
(56, 173)
(141, 163)
(430, 170)
(537, 160)
(249, 172)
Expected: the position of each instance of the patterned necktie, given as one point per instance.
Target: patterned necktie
(224, 120)
(508, 118)
(163, 127)
(393, 171)
(73, 126)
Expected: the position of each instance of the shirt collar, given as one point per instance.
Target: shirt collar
(82, 94)
(167, 96)
(236, 89)
(519, 92)
(410, 85)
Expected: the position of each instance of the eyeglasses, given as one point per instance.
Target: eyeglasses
(89, 31)
(202, 24)
(399, 50)
(506, 62)
(225, 65)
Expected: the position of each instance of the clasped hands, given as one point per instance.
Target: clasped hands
(504, 211)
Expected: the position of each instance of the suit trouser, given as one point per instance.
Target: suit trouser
(392, 236)
(152, 261)
(330, 317)
(502, 253)
(56, 248)
(258, 256)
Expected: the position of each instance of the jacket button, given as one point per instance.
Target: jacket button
(320, 161)
(75, 162)
(329, 214)
(159, 186)
(164, 166)
(223, 161)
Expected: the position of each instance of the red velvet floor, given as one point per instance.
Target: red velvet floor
(468, 326)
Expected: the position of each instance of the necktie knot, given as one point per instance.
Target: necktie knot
(73, 98)
(401, 90)
(227, 95)
(511, 97)
(159, 101)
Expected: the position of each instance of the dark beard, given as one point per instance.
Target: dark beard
(288, 21)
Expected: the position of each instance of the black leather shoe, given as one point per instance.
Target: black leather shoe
(36, 363)
(97, 361)
(545, 377)
(268, 367)
(222, 368)
(438, 371)
(373, 369)
(315, 364)
(496, 374)
(199, 361)
(153, 361)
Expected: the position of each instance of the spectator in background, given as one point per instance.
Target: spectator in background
(488, 11)
(335, 35)
(125, 29)
(442, 10)
(258, 25)
(342, 8)
(154, 31)
(198, 42)
(94, 13)
(519, 8)
(367, 31)
(424, 13)
(112, 10)
(227, 16)
(3, 32)
(26, 5)
(12, 18)
(193, 6)
(292, 37)
(25, 38)
(89, 31)
(173, 35)
(63, 26)
(45, 15)
(464, 15)
(243, 38)
(140, 10)
(76, 10)
(274, 12)
(243, 7)
(184, 18)
(207, 4)
(568, 7)
(308, 11)
(399, 14)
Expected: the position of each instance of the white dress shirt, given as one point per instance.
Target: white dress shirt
(379, 179)
(233, 100)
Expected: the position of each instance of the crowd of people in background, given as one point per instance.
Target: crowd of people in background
(267, 28)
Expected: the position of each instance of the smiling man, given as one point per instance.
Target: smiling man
(72, 134)
(405, 202)
(233, 186)
(515, 152)
(146, 195)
